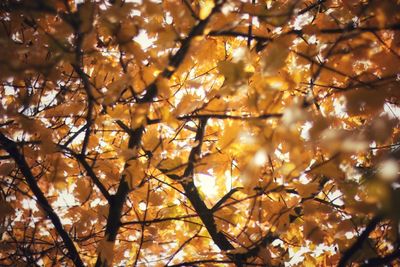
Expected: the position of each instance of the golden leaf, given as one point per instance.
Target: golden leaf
(275, 56)
(205, 8)
(82, 189)
(134, 173)
(233, 72)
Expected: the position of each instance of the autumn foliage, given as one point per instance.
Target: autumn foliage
(199, 133)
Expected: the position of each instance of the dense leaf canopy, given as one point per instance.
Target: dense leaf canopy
(199, 132)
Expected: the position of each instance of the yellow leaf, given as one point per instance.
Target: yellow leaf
(229, 135)
(58, 174)
(205, 8)
(277, 83)
(139, 116)
(148, 74)
(163, 87)
(118, 112)
(187, 103)
(82, 189)
(306, 190)
(249, 180)
(169, 117)
(115, 88)
(134, 173)
(274, 59)
(217, 104)
(151, 139)
(329, 169)
(233, 72)
(170, 163)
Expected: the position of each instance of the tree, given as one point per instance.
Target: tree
(199, 133)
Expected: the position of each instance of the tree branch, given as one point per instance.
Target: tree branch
(118, 199)
(19, 159)
(246, 117)
(176, 60)
(90, 173)
(348, 254)
(379, 261)
(193, 195)
(224, 198)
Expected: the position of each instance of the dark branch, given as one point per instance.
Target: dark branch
(348, 254)
(222, 117)
(19, 159)
(193, 195)
(381, 261)
(119, 198)
(90, 173)
(224, 199)
(176, 60)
